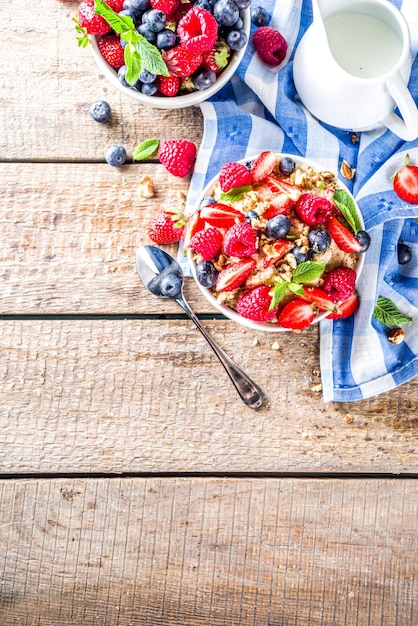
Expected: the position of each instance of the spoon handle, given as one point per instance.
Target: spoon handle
(249, 392)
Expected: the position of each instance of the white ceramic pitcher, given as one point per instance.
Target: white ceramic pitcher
(352, 67)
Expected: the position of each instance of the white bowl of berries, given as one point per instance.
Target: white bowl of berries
(166, 53)
(276, 243)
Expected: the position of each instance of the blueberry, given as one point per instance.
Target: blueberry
(100, 111)
(204, 4)
(363, 238)
(319, 239)
(236, 39)
(116, 155)
(122, 76)
(140, 5)
(204, 79)
(251, 215)
(135, 17)
(166, 39)
(242, 4)
(170, 285)
(146, 76)
(147, 32)
(259, 16)
(300, 256)
(278, 227)
(206, 201)
(149, 89)
(238, 25)
(206, 273)
(226, 12)
(286, 166)
(404, 253)
(155, 19)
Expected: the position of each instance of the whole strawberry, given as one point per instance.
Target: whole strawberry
(112, 51)
(270, 45)
(255, 304)
(88, 23)
(168, 85)
(177, 156)
(166, 227)
(181, 61)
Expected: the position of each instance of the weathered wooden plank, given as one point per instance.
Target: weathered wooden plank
(215, 552)
(148, 396)
(47, 117)
(70, 233)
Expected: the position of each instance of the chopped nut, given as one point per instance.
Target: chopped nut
(317, 387)
(146, 187)
(275, 346)
(354, 138)
(348, 418)
(347, 171)
(181, 196)
(395, 335)
(255, 341)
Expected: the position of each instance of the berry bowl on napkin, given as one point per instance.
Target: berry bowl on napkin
(169, 54)
(277, 243)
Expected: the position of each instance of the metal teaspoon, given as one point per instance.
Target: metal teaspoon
(163, 277)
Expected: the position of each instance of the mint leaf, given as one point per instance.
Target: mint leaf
(387, 313)
(296, 289)
(151, 57)
(133, 63)
(279, 292)
(145, 149)
(307, 271)
(235, 194)
(119, 23)
(345, 203)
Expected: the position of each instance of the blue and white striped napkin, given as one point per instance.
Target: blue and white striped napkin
(259, 110)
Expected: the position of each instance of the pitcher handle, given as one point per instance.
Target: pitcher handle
(406, 127)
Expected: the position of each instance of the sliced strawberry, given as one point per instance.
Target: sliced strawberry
(276, 251)
(319, 297)
(264, 165)
(296, 315)
(346, 308)
(279, 204)
(235, 275)
(344, 238)
(280, 186)
(193, 225)
(405, 182)
(221, 215)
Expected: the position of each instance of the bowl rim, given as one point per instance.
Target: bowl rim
(182, 101)
(230, 313)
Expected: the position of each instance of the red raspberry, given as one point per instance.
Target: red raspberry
(207, 242)
(166, 227)
(112, 51)
(177, 156)
(340, 283)
(234, 175)
(254, 304)
(312, 209)
(198, 30)
(270, 45)
(240, 240)
(169, 7)
(168, 85)
(181, 61)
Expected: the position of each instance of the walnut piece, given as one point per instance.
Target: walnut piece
(347, 171)
(146, 187)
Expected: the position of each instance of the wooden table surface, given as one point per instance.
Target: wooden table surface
(136, 488)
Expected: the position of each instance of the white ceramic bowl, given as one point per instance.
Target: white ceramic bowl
(181, 101)
(230, 313)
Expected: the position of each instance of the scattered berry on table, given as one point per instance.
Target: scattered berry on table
(255, 304)
(259, 16)
(207, 242)
(270, 45)
(405, 182)
(198, 30)
(226, 12)
(166, 227)
(112, 51)
(404, 253)
(286, 166)
(204, 79)
(240, 240)
(319, 239)
(116, 155)
(234, 174)
(296, 315)
(340, 283)
(278, 227)
(177, 156)
(364, 239)
(206, 274)
(313, 209)
(100, 111)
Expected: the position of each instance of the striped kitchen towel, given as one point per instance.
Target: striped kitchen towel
(259, 110)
